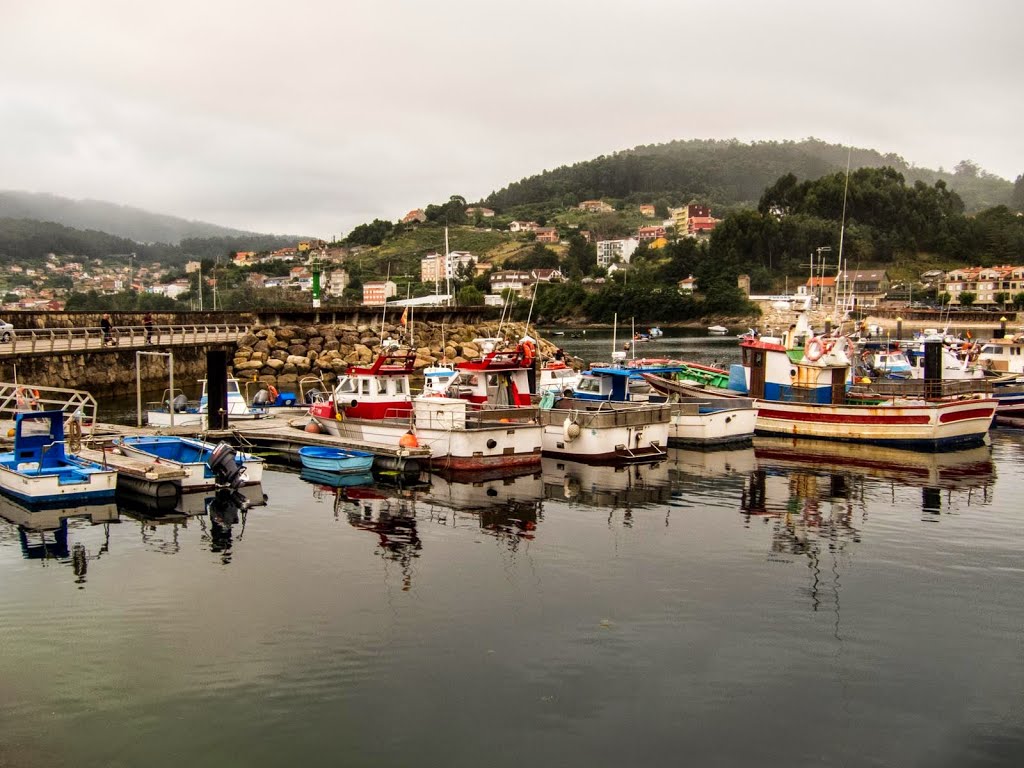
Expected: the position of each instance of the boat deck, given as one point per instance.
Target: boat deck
(133, 467)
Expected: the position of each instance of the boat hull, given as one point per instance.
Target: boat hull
(695, 424)
(482, 447)
(928, 426)
(335, 460)
(189, 455)
(63, 485)
(605, 433)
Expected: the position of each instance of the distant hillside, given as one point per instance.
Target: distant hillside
(726, 174)
(120, 220)
(28, 241)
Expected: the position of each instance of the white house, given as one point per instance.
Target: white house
(609, 251)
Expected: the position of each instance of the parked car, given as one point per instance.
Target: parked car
(6, 332)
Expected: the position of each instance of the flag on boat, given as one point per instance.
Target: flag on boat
(405, 317)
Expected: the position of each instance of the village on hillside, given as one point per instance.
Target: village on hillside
(316, 262)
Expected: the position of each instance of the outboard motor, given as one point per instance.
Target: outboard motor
(229, 473)
(179, 404)
(261, 398)
(313, 396)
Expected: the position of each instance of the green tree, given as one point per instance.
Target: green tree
(1018, 300)
(967, 298)
(469, 296)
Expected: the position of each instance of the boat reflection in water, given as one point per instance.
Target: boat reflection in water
(504, 505)
(611, 487)
(388, 513)
(44, 531)
(816, 495)
(162, 518)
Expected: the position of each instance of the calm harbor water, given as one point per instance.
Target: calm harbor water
(794, 603)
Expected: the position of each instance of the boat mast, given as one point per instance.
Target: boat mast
(842, 228)
(447, 270)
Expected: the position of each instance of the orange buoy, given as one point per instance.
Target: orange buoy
(408, 440)
(313, 428)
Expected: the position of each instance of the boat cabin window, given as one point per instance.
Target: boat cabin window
(364, 387)
(589, 385)
(232, 387)
(401, 387)
(347, 386)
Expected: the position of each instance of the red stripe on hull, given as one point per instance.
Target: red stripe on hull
(973, 413)
(827, 417)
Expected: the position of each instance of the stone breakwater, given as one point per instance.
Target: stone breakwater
(282, 356)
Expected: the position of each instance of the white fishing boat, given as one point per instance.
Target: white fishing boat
(184, 412)
(588, 431)
(717, 330)
(459, 435)
(40, 471)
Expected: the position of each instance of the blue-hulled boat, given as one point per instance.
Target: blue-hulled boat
(40, 471)
(341, 460)
(192, 456)
(334, 479)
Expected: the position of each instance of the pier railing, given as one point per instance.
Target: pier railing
(37, 341)
(20, 398)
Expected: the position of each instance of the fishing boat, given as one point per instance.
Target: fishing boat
(557, 376)
(41, 471)
(379, 390)
(337, 460)
(373, 405)
(804, 392)
(588, 431)
(655, 332)
(717, 330)
(192, 456)
(177, 408)
(699, 421)
(1003, 356)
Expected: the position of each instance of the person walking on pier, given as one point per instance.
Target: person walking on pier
(107, 327)
(148, 322)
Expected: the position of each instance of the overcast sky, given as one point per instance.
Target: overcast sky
(306, 117)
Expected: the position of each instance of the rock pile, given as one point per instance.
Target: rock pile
(283, 356)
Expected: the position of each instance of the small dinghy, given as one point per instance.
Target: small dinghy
(344, 460)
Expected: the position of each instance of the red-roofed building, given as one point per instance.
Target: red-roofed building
(645, 234)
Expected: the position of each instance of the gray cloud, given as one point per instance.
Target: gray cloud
(311, 117)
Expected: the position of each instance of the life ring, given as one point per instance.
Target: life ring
(813, 349)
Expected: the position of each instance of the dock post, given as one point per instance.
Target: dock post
(216, 389)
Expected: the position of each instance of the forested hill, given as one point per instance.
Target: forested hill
(121, 220)
(726, 174)
(27, 241)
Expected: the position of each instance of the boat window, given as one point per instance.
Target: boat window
(232, 387)
(400, 387)
(589, 385)
(348, 386)
(364, 387)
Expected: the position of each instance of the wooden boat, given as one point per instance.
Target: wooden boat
(192, 456)
(338, 460)
(40, 471)
(804, 394)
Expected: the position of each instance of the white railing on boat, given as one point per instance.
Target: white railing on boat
(24, 398)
